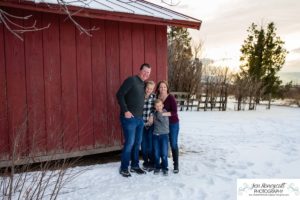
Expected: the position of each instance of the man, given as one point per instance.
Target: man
(131, 100)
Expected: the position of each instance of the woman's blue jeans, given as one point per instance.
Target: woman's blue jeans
(174, 131)
(133, 131)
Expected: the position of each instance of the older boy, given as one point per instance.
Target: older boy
(147, 145)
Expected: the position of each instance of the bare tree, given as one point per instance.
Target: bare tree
(171, 2)
(197, 67)
(291, 94)
(295, 95)
(184, 65)
(191, 77)
(246, 90)
(9, 21)
(256, 89)
(21, 179)
(64, 6)
(215, 84)
(17, 28)
(14, 23)
(240, 91)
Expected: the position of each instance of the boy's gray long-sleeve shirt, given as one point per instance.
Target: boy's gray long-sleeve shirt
(131, 96)
(161, 123)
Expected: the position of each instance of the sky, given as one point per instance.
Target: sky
(225, 23)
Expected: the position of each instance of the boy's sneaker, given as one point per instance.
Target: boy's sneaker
(176, 170)
(125, 173)
(137, 170)
(145, 166)
(165, 172)
(156, 171)
(150, 169)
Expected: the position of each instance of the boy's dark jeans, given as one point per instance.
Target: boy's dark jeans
(147, 146)
(160, 145)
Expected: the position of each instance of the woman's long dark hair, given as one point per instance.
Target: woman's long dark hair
(158, 85)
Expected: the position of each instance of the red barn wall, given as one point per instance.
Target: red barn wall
(58, 86)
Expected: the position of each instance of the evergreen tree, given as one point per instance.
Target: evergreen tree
(263, 55)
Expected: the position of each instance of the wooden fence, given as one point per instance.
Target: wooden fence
(186, 101)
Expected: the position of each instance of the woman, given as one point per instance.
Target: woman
(170, 105)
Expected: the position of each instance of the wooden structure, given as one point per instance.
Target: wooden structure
(57, 87)
(203, 101)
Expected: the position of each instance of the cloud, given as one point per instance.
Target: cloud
(225, 23)
(297, 50)
(292, 66)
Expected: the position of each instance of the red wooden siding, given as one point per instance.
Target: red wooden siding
(51, 50)
(85, 99)
(58, 87)
(16, 91)
(138, 47)
(35, 88)
(126, 68)
(161, 53)
(113, 81)
(69, 85)
(99, 85)
(150, 49)
(4, 140)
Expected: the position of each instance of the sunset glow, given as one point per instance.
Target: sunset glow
(225, 23)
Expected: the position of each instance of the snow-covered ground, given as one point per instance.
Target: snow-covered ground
(217, 148)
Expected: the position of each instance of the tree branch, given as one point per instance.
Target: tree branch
(18, 29)
(64, 7)
(170, 3)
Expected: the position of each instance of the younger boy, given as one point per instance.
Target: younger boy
(160, 138)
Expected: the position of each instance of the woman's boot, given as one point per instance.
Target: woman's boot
(175, 155)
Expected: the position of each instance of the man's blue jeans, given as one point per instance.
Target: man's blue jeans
(161, 145)
(133, 131)
(147, 146)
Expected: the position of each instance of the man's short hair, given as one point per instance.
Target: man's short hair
(144, 65)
